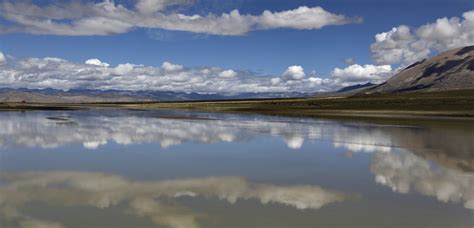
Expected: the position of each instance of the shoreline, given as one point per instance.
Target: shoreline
(433, 105)
(308, 113)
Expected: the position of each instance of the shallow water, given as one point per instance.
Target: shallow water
(110, 168)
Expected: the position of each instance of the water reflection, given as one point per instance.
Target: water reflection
(448, 144)
(145, 199)
(433, 159)
(95, 129)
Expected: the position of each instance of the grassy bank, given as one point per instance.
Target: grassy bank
(452, 104)
(434, 104)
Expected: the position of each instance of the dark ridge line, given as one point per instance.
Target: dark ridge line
(414, 64)
(417, 87)
(465, 50)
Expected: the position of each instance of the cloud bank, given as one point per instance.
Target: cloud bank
(50, 72)
(107, 17)
(405, 45)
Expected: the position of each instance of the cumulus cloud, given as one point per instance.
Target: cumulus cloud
(167, 66)
(295, 77)
(340, 77)
(149, 199)
(405, 45)
(123, 69)
(294, 72)
(96, 62)
(228, 74)
(107, 17)
(365, 73)
(275, 81)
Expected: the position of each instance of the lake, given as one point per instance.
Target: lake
(177, 169)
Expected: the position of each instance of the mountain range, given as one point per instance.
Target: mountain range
(90, 95)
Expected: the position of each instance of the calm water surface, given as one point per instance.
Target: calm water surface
(174, 169)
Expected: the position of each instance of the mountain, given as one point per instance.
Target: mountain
(450, 70)
(347, 91)
(89, 95)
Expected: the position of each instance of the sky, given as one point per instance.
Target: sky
(223, 46)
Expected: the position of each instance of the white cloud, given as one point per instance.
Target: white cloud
(2, 58)
(402, 45)
(327, 84)
(228, 74)
(123, 69)
(294, 72)
(295, 77)
(275, 81)
(365, 73)
(170, 67)
(107, 17)
(317, 81)
(302, 18)
(96, 62)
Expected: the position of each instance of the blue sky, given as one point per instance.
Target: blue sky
(261, 51)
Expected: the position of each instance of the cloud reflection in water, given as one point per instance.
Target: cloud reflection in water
(404, 172)
(145, 198)
(43, 131)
